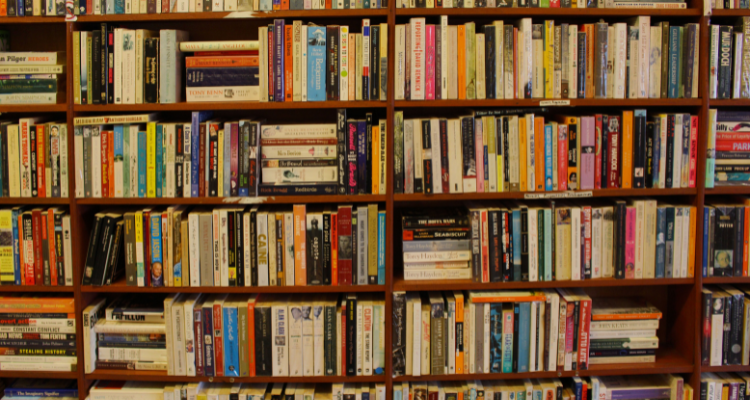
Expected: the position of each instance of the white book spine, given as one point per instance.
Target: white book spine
(455, 158)
(400, 61)
(481, 90)
(308, 343)
(714, 63)
(554, 326)
(13, 156)
(360, 338)
(96, 160)
(444, 59)
(178, 331)
(644, 56)
(677, 157)
(649, 239)
(573, 60)
(216, 234)
(194, 245)
(245, 247)
(170, 159)
(263, 244)
(634, 65)
(532, 336)
(187, 164)
(486, 358)
(417, 339)
(296, 351)
(128, 66)
(367, 339)
(677, 251)
(530, 153)
(117, 68)
(437, 182)
(451, 335)
(717, 337)
(288, 248)
(133, 161)
(684, 246)
(303, 94)
(575, 244)
(499, 59)
(621, 54)
(280, 327)
(640, 220)
(654, 79)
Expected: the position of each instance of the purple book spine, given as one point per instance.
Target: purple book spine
(234, 181)
(278, 59)
(588, 153)
(640, 393)
(352, 156)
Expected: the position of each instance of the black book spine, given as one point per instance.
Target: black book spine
(517, 312)
(213, 165)
(279, 243)
(427, 156)
(650, 148)
(727, 337)
(725, 62)
(365, 174)
(326, 248)
(355, 240)
(375, 62)
(114, 271)
(151, 88)
(739, 240)
(29, 8)
(399, 160)
(180, 159)
(103, 64)
(91, 252)
(101, 253)
(399, 334)
(707, 300)
(489, 61)
(582, 65)
(640, 153)
(231, 255)
(476, 245)
(253, 249)
(525, 244)
(341, 136)
(332, 62)
(111, 64)
(443, 173)
(669, 162)
(244, 160)
(496, 268)
(351, 143)
(507, 248)
(467, 142)
(605, 146)
(351, 336)
(4, 155)
(619, 239)
(263, 346)
(239, 224)
(96, 66)
(735, 336)
(59, 249)
(329, 340)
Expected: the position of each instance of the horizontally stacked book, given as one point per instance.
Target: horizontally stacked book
(236, 246)
(32, 389)
(728, 159)
(636, 387)
(725, 227)
(318, 63)
(31, 77)
(135, 156)
(729, 61)
(723, 311)
(623, 330)
(108, 390)
(519, 243)
(511, 151)
(39, 334)
(238, 335)
(552, 60)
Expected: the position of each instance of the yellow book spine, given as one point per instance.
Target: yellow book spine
(626, 174)
(220, 191)
(140, 274)
(375, 169)
(539, 162)
(461, 53)
(491, 153)
(76, 67)
(522, 154)
(151, 159)
(691, 240)
(7, 270)
(549, 59)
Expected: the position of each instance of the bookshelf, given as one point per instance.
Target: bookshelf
(678, 298)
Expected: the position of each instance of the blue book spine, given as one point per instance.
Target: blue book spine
(16, 247)
(41, 392)
(656, 135)
(706, 218)
(516, 245)
(365, 396)
(578, 389)
(316, 63)
(398, 395)
(523, 336)
(208, 77)
(669, 243)
(159, 159)
(231, 345)
(548, 244)
(157, 273)
(548, 137)
(278, 58)
(142, 164)
(661, 236)
(227, 160)
(198, 118)
(381, 248)
(496, 337)
(20, 11)
(486, 166)
(507, 343)
(208, 341)
(119, 6)
(674, 61)
(362, 157)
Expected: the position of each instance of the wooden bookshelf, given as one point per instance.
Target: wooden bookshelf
(681, 329)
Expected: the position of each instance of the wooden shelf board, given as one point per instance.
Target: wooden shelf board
(730, 13)
(229, 105)
(20, 201)
(726, 368)
(32, 20)
(535, 102)
(732, 189)
(399, 284)
(36, 289)
(365, 198)
(217, 16)
(39, 374)
(730, 102)
(520, 195)
(161, 376)
(544, 12)
(667, 362)
(33, 108)
(726, 279)
(121, 287)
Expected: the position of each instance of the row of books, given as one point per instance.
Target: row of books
(437, 333)
(671, 4)
(728, 4)
(730, 72)
(523, 60)
(134, 156)
(238, 335)
(238, 246)
(115, 65)
(38, 333)
(726, 226)
(20, 88)
(719, 385)
(512, 151)
(122, 390)
(577, 388)
(35, 247)
(33, 158)
(318, 63)
(30, 389)
(558, 241)
(728, 155)
(724, 311)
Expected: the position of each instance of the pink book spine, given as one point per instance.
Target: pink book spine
(562, 157)
(598, 163)
(588, 153)
(429, 88)
(693, 150)
(630, 243)
(479, 154)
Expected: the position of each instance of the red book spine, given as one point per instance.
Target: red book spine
(43, 232)
(554, 3)
(198, 329)
(288, 58)
(613, 153)
(344, 236)
(729, 135)
(147, 246)
(41, 150)
(562, 157)
(165, 6)
(583, 334)
(111, 162)
(334, 249)
(105, 163)
(51, 246)
(202, 160)
(733, 145)
(218, 341)
(693, 150)
(328, 4)
(251, 336)
(598, 152)
(36, 216)
(429, 92)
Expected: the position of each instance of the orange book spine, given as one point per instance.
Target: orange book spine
(284, 4)
(459, 320)
(41, 150)
(42, 304)
(539, 153)
(522, 185)
(623, 317)
(228, 61)
(251, 336)
(288, 61)
(626, 173)
(329, 4)
(334, 249)
(3, 8)
(376, 160)
(691, 239)
(300, 258)
(461, 53)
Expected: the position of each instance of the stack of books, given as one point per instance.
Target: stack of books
(318, 63)
(540, 4)
(552, 60)
(436, 244)
(128, 66)
(239, 335)
(38, 334)
(108, 390)
(35, 247)
(558, 241)
(730, 72)
(130, 333)
(32, 77)
(524, 151)
(222, 71)
(724, 308)
(715, 383)
(32, 389)
(238, 246)
(624, 330)
(135, 156)
(728, 161)
(725, 227)
(577, 388)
